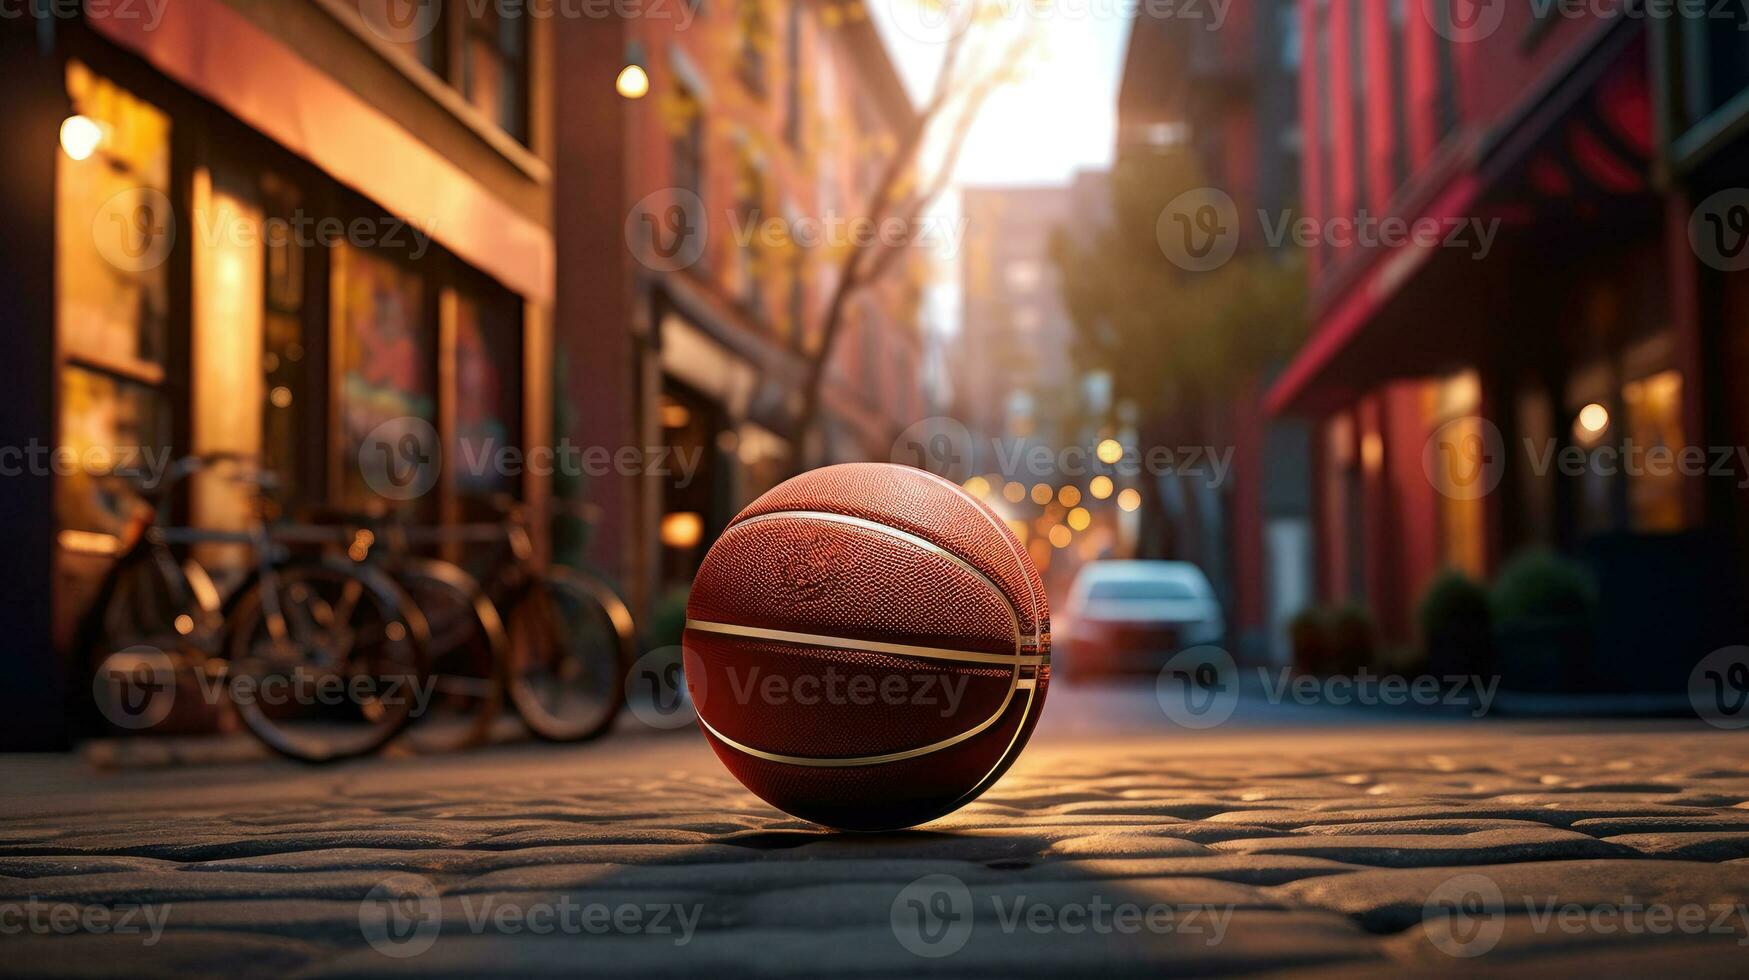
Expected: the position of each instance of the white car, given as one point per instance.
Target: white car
(1134, 615)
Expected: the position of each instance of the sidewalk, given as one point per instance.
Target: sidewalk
(1364, 851)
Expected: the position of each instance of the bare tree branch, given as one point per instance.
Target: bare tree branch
(866, 264)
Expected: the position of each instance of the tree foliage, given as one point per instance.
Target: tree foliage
(1172, 338)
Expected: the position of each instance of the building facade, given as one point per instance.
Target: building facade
(310, 231)
(738, 181)
(1496, 383)
(270, 229)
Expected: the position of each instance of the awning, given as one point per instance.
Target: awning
(215, 51)
(1584, 144)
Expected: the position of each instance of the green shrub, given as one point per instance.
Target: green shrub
(1456, 624)
(1540, 585)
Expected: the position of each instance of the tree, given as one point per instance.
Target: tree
(980, 54)
(1172, 339)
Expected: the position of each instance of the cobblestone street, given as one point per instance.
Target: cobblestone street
(1547, 849)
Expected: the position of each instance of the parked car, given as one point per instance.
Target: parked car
(1134, 615)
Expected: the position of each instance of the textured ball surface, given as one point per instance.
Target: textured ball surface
(867, 647)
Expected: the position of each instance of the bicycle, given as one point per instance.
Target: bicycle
(554, 643)
(328, 652)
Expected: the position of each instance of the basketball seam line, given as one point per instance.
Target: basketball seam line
(869, 646)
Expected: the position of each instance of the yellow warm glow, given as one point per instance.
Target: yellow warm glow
(1060, 537)
(1100, 488)
(633, 82)
(1594, 418)
(80, 136)
(978, 487)
(1130, 499)
(1080, 519)
(1109, 451)
(1069, 496)
(682, 529)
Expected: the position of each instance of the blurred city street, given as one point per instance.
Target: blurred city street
(1366, 843)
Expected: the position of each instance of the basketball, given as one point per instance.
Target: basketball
(867, 647)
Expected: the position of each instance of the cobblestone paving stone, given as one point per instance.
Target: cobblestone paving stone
(1268, 860)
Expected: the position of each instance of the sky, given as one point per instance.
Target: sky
(1058, 119)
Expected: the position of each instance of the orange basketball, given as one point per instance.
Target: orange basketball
(867, 647)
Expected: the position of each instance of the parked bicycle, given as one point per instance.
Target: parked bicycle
(319, 657)
(554, 643)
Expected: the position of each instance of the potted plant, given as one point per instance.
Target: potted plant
(1544, 609)
(1456, 626)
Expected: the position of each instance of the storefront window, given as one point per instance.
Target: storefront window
(1462, 461)
(117, 430)
(114, 236)
(293, 413)
(384, 358)
(1654, 430)
(488, 400)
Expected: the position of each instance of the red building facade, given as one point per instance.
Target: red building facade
(1505, 302)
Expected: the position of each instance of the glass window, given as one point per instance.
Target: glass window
(110, 425)
(384, 358)
(494, 66)
(488, 393)
(1654, 433)
(413, 27)
(755, 39)
(749, 208)
(114, 234)
(116, 229)
(293, 415)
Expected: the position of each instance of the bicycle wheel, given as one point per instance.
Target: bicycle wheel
(144, 644)
(326, 659)
(571, 644)
(467, 659)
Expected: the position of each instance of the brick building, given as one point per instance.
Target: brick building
(273, 226)
(1561, 307)
(757, 113)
